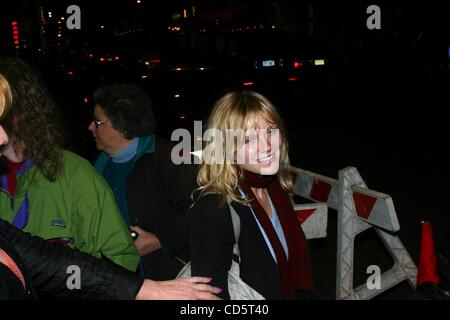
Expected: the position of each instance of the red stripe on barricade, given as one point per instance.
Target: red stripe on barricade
(363, 204)
(320, 191)
(304, 214)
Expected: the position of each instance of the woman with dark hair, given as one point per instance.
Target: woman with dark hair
(28, 262)
(48, 191)
(153, 193)
(123, 128)
(246, 164)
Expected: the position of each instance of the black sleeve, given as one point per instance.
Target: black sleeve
(47, 265)
(211, 241)
(178, 182)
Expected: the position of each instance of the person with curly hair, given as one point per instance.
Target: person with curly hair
(48, 191)
(152, 192)
(29, 263)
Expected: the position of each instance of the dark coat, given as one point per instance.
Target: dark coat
(10, 285)
(159, 196)
(44, 266)
(211, 248)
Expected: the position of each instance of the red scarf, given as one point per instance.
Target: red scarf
(13, 167)
(295, 273)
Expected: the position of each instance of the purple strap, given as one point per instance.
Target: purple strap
(22, 215)
(27, 165)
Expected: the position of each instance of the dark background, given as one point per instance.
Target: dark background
(380, 104)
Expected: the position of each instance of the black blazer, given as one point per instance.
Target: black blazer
(159, 196)
(211, 247)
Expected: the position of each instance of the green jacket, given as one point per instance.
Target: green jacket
(78, 206)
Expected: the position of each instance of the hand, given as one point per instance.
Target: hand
(179, 289)
(146, 242)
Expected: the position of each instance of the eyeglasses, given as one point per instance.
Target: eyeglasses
(99, 122)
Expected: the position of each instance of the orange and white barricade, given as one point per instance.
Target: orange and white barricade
(359, 209)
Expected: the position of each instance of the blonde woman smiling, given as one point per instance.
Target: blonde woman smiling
(274, 257)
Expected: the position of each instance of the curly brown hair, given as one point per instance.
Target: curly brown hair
(33, 120)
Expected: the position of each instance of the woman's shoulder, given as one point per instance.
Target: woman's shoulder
(210, 217)
(210, 205)
(75, 162)
(80, 172)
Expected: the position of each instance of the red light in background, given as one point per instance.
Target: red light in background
(102, 59)
(15, 30)
(116, 58)
(85, 100)
(154, 61)
(248, 83)
(70, 73)
(297, 64)
(292, 79)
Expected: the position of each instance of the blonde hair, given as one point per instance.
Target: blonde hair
(238, 110)
(5, 96)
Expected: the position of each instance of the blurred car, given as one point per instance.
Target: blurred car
(260, 58)
(269, 58)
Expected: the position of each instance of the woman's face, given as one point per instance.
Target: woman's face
(9, 149)
(260, 152)
(3, 137)
(107, 138)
